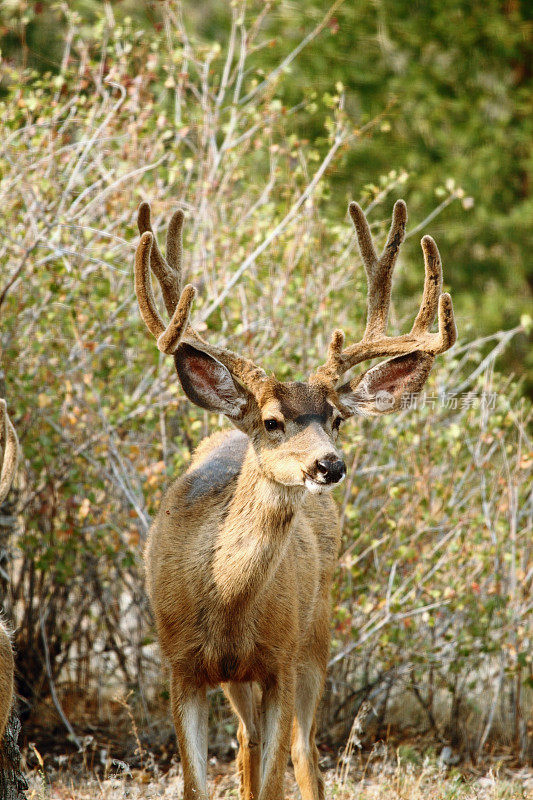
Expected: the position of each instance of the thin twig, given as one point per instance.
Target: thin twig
(55, 699)
(340, 139)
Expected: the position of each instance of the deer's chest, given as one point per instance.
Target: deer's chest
(240, 650)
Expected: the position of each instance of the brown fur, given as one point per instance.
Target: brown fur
(252, 560)
(241, 554)
(9, 458)
(6, 677)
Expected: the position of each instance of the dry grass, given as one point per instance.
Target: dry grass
(382, 776)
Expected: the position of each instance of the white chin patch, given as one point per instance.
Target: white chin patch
(313, 486)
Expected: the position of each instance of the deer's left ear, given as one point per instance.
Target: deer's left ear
(380, 389)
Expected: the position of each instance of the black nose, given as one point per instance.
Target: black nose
(332, 469)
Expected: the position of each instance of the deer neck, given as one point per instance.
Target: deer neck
(252, 541)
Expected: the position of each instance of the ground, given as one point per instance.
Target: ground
(380, 774)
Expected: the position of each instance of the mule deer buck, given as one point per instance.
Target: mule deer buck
(9, 452)
(241, 554)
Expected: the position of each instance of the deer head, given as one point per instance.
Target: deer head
(9, 449)
(294, 425)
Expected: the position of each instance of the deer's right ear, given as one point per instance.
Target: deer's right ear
(209, 384)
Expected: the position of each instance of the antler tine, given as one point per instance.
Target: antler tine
(175, 241)
(330, 372)
(143, 286)
(447, 335)
(375, 343)
(432, 287)
(379, 270)
(433, 303)
(9, 442)
(167, 271)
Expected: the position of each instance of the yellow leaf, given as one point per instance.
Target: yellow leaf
(84, 508)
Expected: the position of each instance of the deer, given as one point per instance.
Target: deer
(241, 553)
(9, 450)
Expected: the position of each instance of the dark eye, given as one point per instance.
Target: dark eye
(273, 425)
(337, 423)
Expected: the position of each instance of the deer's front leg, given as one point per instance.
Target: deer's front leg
(244, 702)
(277, 709)
(304, 751)
(190, 712)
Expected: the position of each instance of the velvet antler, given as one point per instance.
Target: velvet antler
(178, 301)
(375, 342)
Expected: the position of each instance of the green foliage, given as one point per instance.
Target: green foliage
(453, 83)
(447, 86)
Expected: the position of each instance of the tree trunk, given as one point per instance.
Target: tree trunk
(12, 781)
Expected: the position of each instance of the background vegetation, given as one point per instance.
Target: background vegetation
(448, 85)
(215, 110)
